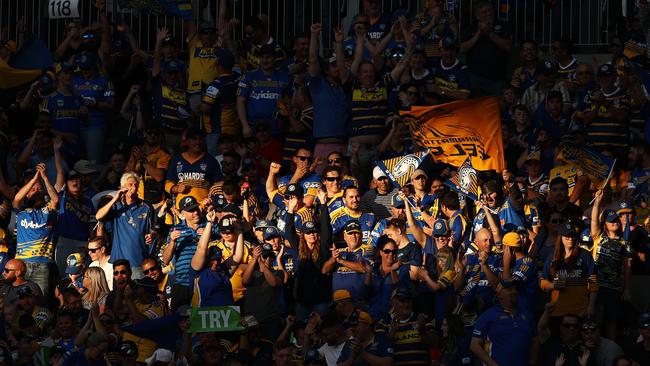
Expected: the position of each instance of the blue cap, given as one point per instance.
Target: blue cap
(271, 232)
(644, 321)
(352, 226)
(440, 227)
(625, 207)
(214, 253)
(397, 201)
(261, 224)
(610, 216)
(188, 204)
(63, 66)
(219, 202)
(171, 66)
(403, 293)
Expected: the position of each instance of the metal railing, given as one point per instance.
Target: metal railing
(588, 23)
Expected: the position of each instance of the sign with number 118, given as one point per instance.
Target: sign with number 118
(63, 9)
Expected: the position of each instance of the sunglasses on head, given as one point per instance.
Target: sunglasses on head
(389, 251)
(149, 270)
(332, 179)
(122, 272)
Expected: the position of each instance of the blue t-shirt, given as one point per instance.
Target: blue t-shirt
(212, 288)
(65, 112)
(130, 224)
(75, 216)
(331, 107)
(98, 88)
(380, 346)
(342, 216)
(345, 278)
(508, 335)
(35, 234)
(381, 290)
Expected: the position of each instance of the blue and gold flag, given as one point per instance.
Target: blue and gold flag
(465, 181)
(400, 169)
(594, 165)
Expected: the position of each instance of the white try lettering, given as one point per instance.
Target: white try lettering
(214, 318)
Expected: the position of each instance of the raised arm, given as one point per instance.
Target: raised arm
(314, 65)
(344, 73)
(271, 186)
(160, 37)
(198, 259)
(104, 211)
(494, 227)
(595, 215)
(360, 38)
(416, 230)
(58, 162)
(290, 225)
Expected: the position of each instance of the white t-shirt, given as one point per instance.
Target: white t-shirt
(331, 353)
(108, 272)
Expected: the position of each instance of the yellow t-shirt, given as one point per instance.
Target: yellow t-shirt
(202, 68)
(236, 280)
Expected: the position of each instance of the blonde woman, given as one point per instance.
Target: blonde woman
(97, 289)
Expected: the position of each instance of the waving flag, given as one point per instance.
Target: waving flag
(594, 165)
(460, 130)
(466, 181)
(400, 169)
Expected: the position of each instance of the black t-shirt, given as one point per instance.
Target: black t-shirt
(486, 58)
(640, 244)
(639, 354)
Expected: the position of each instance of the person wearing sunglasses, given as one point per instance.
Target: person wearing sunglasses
(567, 346)
(100, 257)
(387, 274)
(337, 159)
(332, 181)
(613, 259)
(604, 350)
(379, 200)
(301, 175)
(152, 268)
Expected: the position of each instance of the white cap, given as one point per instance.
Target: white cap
(162, 355)
(378, 173)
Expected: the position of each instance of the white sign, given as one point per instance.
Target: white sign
(63, 9)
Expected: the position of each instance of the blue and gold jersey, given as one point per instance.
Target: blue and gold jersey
(369, 107)
(251, 56)
(171, 106)
(452, 78)
(199, 175)
(409, 347)
(345, 278)
(567, 73)
(99, 89)
(263, 93)
(221, 96)
(35, 234)
(202, 67)
(65, 112)
(604, 130)
(342, 216)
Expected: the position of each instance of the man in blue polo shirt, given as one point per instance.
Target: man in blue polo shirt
(259, 93)
(349, 265)
(508, 327)
(181, 245)
(131, 218)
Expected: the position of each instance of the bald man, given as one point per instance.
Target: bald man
(13, 279)
(481, 262)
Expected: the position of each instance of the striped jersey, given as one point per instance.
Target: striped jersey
(408, 346)
(171, 106)
(199, 175)
(604, 131)
(184, 251)
(221, 96)
(369, 107)
(342, 216)
(567, 73)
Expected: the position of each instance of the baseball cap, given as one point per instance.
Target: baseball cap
(261, 224)
(449, 42)
(208, 26)
(219, 202)
(352, 226)
(440, 227)
(169, 41)
(332, 58)
(566, 229)
(128, 349)
(397, 201)
(606, 70)
(377, 173)
(84, 167)
(545, 67)
(271, 232)
(358, 317)
(610, 215)
(294, 189)
(625, 207)
(309, 227)
(585, 236)
(73, 175)
(534, 154)
(419, 172)
(146, 282)
(397, 53)
(188, 203)
(227, 224)
(249, 321)
(215, 253)
(511, 239)
(160, 355)
(341, 295)
(402, 294)
(312, 356)
(74, 263)
(171, 66)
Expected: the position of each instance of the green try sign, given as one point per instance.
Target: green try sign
(215, 319)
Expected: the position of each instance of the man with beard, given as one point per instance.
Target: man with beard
(13, 279)
(352, 211)
(35, 227)
(131, 219)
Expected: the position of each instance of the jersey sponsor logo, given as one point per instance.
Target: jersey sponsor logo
(204, 166)
(28, 224)
(205, 53)
(191, 176)
(212, 92)
(265, 94)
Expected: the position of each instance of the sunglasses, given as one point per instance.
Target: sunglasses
(381, 179)
(420, 177)
(88, 36)
(122, 272)
(589, 328)
(7, 270)
(332, 179)
(305, 158)
(149, 270)
(440, 237)
(334, 161)
(93, 250)
(570, 326)
(388, 251)
(289, 196)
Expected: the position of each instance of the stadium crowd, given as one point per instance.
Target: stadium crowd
(247, 178)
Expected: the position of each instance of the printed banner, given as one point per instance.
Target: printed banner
(594, 165)
(466, 181)
(63, 9)
(215, 319)
(400, 169)
(460, 130)
(180, 8)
